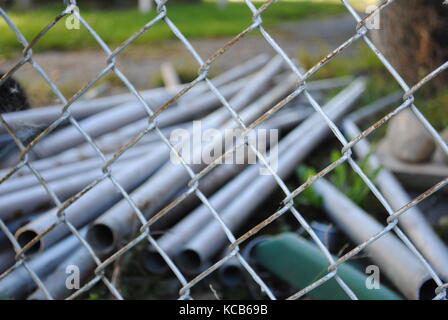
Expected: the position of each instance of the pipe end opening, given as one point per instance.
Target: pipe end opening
(25, 237)
(190, 261)
(427, 290)
(231, 275)
(101, 238)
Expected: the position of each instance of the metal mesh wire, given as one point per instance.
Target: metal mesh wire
(144, 234)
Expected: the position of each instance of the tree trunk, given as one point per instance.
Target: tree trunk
(413, 35)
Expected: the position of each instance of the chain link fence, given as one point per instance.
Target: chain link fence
(192, 187)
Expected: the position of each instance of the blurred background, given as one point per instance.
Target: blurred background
(72, 57)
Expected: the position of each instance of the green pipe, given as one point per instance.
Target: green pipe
(300, 263)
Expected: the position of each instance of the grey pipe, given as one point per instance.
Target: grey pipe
(71, 158)
(6, 259)
(208, 184)
(231, 273)
(30, 199)
(124, 114)
(230, 76)
(413, 222)
(19, 282)
(15, 184)
(172, 241)
(119, 116)
(87, 151)
(87, 207)
(13, 226)
(44, 116)
(55, 283)
(112, 140)
(393, 258)
(225, 172)
(212, 238)
(119, 222)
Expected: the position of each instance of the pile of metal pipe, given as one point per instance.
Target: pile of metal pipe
(113, 226)
(184, 231)
(225, 172)
(87, 207)
(392, 257)
(67, 165)
(44, 116)
(211, 238)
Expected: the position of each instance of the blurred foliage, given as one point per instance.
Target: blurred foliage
(343, 177)
(307, 197)
(348, 181)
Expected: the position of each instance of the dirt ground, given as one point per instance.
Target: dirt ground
(71, 70)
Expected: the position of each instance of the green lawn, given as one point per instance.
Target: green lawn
(114, 26)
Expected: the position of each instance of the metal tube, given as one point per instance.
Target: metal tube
(6, 259)
(299, 262)
(15, 225)
(107, 144)
(413, 222)
(171, 242)
(15, 184)
(393, 258)
(119, 222)
(184, 112)
(119, 116)
(55, 283)
(124, 114)
(209, 184)
(212, 238)
(239, 71)
(87, 207)
(19, 282)
(71, 158)
(30, 199)
(110, 142)
(127, 131)
(225, 172)
(44, 116)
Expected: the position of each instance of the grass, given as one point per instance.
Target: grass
(116, 25)
(342, 177)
